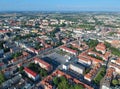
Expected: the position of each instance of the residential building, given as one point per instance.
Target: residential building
(31, 74)
(77, 68)
(101, 47)
(43, 64)
(105, 82)
(91, 75)
(71, 51)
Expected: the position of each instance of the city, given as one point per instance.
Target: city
(59, 50)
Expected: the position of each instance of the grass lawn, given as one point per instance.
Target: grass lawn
(99, 75)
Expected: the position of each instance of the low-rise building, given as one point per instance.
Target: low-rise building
(31, 74)
(90, 76)
(47, 85)
(84, 60)
(77, 68)
(101, 47)
(71, 51)
(105, 83)
(115, 66)
(43, 64)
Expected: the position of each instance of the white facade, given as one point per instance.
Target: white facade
(65, 67)
(85, 62)
(32, 77)
(77, 69)
(104, 87)
(89, 79)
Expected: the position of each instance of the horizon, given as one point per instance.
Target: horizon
(53, 5)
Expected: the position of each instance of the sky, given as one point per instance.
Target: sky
(59, 5)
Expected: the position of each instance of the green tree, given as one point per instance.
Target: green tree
(43, 72)
(92, 43)
(115, 82)
(78, 86)
(2, 78)
(63, 85)
(21, 68)
(56, 80)
(1, 44)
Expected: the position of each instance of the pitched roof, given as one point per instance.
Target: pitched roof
(68, 49)
(101, 46)
(42, 61)
(30, 71)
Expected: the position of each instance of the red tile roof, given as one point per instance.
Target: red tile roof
(46, 80)
(30, 71)
(93, 72)
(68, 49)
(101, 47)
(3, 31)
(43, 62)
(109, 73)
(84, 56)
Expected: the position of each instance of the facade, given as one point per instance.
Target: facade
(31, 74)
(90, 76)
(101, 47)
(47, 85)
(77, 68)
(74, 52)
(105, 83)
(43, 64)
(84, 60)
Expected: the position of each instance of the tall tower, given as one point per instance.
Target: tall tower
(79, 40)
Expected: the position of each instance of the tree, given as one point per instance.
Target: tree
(115, 82)
(2, 78)
(63, 85)
(92, 43)
(15, 55)
(21, 68)
(1, 44)
(56, 80)
(6, 50)
(43, 72)
(78, 86)
(63, 25)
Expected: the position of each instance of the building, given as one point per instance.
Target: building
(79, 45)
(105, 82)
(46, 82)
(15, 49)
(71, 51)
(31, 74)
(1, 52)
(43, 64)
(103, 56)
(77, 68)
(117, 61)
(84, 60)
(91, 75)
(115, 66)
(65, 66)
(101, 47)
(21, 58)
(66, 40)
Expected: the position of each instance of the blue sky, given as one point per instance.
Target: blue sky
(59, 5)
